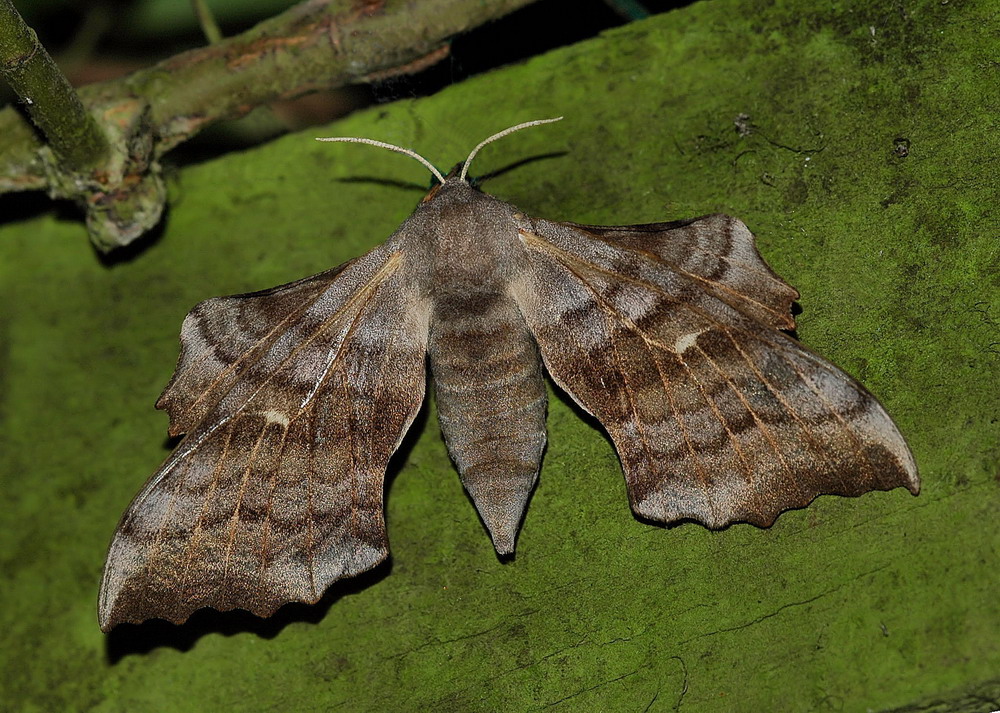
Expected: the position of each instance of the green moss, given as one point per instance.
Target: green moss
(862, 604)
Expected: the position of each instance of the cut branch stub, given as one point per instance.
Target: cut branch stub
(123, 197)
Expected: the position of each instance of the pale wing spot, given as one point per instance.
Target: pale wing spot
(276, 417)
(686, 341)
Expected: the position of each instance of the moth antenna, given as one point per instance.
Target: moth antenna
(511, 130)
(391, 147)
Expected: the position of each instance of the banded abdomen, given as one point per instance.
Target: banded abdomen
(491, 403)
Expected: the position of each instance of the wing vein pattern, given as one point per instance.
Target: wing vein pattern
(262, 503)
(670, 336)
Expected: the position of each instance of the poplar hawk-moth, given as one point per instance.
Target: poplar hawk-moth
(293, 399)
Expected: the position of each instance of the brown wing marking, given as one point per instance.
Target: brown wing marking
(222, 336)
(719, 252)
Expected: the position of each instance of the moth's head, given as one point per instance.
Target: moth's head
(459, 174)
(453, 179)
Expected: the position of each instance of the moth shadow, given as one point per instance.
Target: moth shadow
(401, 457)
(385, 182)
(688, 522)
(477, 180)
(474, 180)
(587, 418)
(128, 639)
(796, 311)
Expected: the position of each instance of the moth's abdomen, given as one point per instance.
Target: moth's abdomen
(491, 403)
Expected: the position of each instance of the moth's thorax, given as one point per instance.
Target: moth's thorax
(469, 238)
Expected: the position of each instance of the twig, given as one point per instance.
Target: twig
(54, 107)
(314, 45)
(207, 21)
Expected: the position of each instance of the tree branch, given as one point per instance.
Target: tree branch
(318, 44)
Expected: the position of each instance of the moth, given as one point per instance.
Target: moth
(293, 399)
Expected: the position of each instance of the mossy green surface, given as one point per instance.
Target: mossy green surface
(859, 604)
